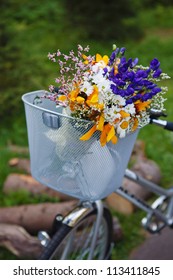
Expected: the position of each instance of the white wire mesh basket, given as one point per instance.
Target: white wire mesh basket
(59, 160)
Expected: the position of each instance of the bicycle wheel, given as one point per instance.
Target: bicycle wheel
(75, 242)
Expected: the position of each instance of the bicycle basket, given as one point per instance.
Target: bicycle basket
(59, 160)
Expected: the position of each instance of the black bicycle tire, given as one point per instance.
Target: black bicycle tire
(64, 230)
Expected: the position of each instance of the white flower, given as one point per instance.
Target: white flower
(121, 129)
(121, 132)
(97, 77)
(87, 88)
(102, 83)
(95, 68)
(99, 65)
(118, 100)
(112, 114)
(130, 108)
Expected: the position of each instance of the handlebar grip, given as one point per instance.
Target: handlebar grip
(169, 126)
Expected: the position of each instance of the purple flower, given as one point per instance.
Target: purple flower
(134, 62)
(157, 73)
(136, 97)
(130, 90)
(118, 81)
(151, 85)
(141, 74)
(146, 96)
(123, 67)
(114, 89)
(154, 64)
(129, 101)
(105, 70)
(122, 51)
(129, 76)
(113, 56)
(156, 90)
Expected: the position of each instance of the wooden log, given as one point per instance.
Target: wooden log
(16, 182)
(147, 169)
(120, 204)
(34, 217)
(18, 149)
(19, 242)
(117, 233)
(20, 163)
(138, 152)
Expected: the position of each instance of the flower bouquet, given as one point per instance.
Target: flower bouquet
(82, 132)
(115, 93)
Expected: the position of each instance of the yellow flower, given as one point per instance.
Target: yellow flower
(62, 98)
(108, 134)
(88, 134)
(85, 59)
(73, 94)
(124, 124)
(101, 123)
(142, 106)
(135, 124)
(104, 58)
(80, 99)
(93, 98)
(124, 114)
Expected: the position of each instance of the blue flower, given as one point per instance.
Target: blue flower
(141, 74)
(122, 51)
(156, 90)
(157, 73)
(113, 56)
(105, 70)
(129, 101)
(134, 62)
(129, 76)
(114, 89)
(154, 64)
(146, 96)
(130, 90)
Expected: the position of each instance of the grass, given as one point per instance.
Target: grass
(158, 43)
(132, 235)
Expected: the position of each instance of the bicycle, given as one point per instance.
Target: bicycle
(86, 232)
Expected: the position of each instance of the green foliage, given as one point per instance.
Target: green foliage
(153, 3)
(104, 20)
(159, 17)
(131, 236)
(28, 31)
(23, 197)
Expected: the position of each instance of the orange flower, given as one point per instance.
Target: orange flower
(142, 106)
(89, 133)
(135, 124)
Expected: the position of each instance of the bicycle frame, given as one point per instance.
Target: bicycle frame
(151, 210)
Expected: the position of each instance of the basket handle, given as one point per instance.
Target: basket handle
(51, 120)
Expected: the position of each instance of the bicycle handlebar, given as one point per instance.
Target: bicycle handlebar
(154, 119)
(169, 126)
(165, 124)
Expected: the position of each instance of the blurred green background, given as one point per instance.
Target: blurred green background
(31, 29)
